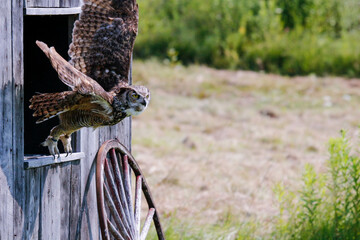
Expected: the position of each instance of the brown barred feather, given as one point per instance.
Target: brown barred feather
(103, 40)
(48, 105)
(72, 77)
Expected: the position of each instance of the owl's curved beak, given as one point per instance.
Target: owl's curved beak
(143, 102)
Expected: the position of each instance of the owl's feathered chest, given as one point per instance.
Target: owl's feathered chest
(91, 111)
(85, 118)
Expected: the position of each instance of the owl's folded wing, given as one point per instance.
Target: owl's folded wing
(71, 76)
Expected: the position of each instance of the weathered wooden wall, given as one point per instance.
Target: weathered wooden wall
(60, 200)
(52, 3)
(89, 141)
(51, 202)
(52, 197)
(11, 120)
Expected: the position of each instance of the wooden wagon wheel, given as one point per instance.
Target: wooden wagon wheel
(119, 217)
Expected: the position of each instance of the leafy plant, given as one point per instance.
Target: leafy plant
(328, 205)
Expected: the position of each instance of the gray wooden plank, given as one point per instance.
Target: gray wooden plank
(68, 3)
(75, 3)
(6, 121)
(65, 3)
(75, 193)
(65, 199)
(50, 204)
(54, 3)
(18, 115)
(41, 161)
(105, 134)
(32, 204)
(37, 3)
(89, 221)
(124, 132)
(6, 208)
(52, 11)
(121, 131)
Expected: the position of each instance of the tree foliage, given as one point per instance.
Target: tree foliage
(283, 36)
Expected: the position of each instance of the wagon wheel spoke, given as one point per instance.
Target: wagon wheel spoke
(137, 205)
(119, 212)
(112, 198)
(147, 223)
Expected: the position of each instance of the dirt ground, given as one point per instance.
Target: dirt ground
(214, 142)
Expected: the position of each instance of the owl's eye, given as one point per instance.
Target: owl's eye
(134, 95)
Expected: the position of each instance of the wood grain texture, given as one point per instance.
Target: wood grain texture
(42, 203)
(52, 3)
(32, 204)
(18, 116)
(52, 197)
(50, 213)
(52, 11)
(11, 120)
(75, 194)
(6, 208)
(42, 161)
(37, 3)
(6, 121)
(65, 199)
(69, 3)
(87, 227)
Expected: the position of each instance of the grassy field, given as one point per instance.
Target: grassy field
(213, 143)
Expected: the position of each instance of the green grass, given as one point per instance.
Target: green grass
(228, 228)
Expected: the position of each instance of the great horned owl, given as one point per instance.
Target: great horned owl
(101, 49)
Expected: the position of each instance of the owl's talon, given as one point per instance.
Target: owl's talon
(66, 141)
(51, 143)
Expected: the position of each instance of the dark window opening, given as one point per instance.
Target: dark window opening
(39, 75)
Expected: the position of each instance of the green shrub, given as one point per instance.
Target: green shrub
(288, 37)
(328, 205)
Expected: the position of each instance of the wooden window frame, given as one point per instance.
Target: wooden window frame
(35, 160)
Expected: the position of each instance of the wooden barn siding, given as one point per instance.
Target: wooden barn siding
(18, 115)
(6, 121)
(52, 3)
(53, 202)
(60, 200)
(89, 141)
(52, 196)
(11, 120)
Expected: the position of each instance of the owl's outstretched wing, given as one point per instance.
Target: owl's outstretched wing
(72, 77)
(103, 40)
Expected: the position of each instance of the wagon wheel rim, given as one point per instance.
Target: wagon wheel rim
(114, 195)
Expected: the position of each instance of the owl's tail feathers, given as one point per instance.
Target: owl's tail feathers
(49, 105)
